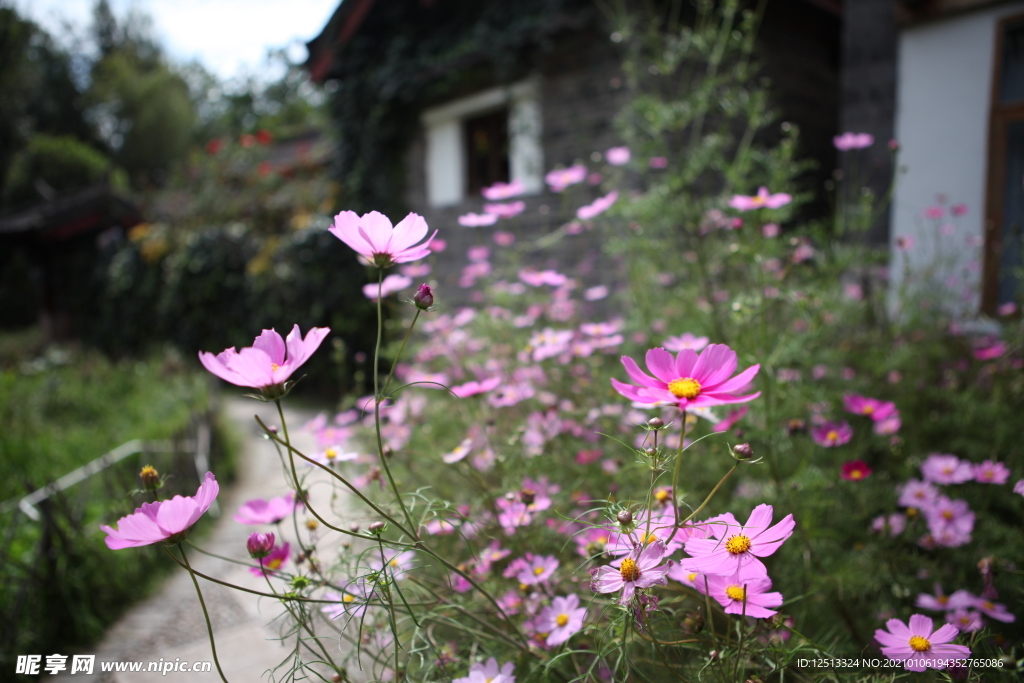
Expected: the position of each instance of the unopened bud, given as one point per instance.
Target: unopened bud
(259, 544)
(655, 423)
(528, 496)
(354, 528)
(651, 452)
(150, 477)
(796, 426)
(376, 528)
(743, 451)
(625, 517)
(424, 297)
(312, 524)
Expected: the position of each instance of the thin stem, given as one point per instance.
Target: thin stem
(710, 495)
(376, 406)
(206, 614)
(405, 340)
(675, 478)
(344, 481)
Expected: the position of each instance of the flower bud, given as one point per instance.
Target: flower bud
(693, 622)
(743, 451)
(650, 452)
(796, 426)
(625, 517)
(354, 528)
(528, 496)
(259, 544)
(376, 528)
(312, 524)
(655, 423)
(424, 297)
(150, 478)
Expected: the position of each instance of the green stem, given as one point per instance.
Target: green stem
(376, 407)
(206, 614)
(710, 495)
(675, 478)
(405, 340)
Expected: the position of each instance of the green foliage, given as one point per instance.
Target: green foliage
(58, 164)
(408, 54)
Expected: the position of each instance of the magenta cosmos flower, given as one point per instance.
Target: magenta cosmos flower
(855, 470)
(270, 360)
(831, 434)
(597, 207)
(372, 237)
(762, 200)
(261, 511)
(562, 618)
(490, 672)
(743, 595)
(848, 141)
(918, 646)
(688, 380)
(945, 468)
(734, 550)
(164, 520)
(641, 569)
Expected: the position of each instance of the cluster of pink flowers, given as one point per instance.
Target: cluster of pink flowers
(724, 560)
(964, 610)
(883, 414)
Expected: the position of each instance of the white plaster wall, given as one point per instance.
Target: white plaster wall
(944, 87)
(445, 146)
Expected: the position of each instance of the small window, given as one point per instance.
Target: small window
(487, 151)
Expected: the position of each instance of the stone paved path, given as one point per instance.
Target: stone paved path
(169, 625)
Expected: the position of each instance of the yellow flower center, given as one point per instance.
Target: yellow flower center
(562, 619)
(919, 644)
(988, 605)
(148, 471)
(947, 514)
(661, 495)
(832, 435)
(274, 563)
(331, 453)
(394, 562)
(735, 593)
(348, 598)
(274, 366)
(738, 544)
(691, 577)
(629, 571)
(538, 571)
(647, 538)
(856, 474)
(758, 200)
(868, 410)
(685, 387)
(943, 599)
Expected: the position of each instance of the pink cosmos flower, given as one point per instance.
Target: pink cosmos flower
(272, 562)
(270, 360)
(991, 472)
(352, 602)
(260, 511)
(726, 423)
(871, 407)
(966, 621)
(164, 520)
(848, 141)
(687, 340)
(770, 230)
(536, 278)
(617, 156)
(918, 646)
(943, 468)
(660, 528)
(500, 191)
(507, 210)
(1018, 488)
(855, 470)
(642, 568)
(888, 426)
(934, 212)
(950, 521)
(595, 293)
(562, 618)
(732, 592)
(398, 563)
(1009, 308)
(476, 387)
(391, 284)
(561, 178)
(658, 162)
(830, 434)
(917, 494)
(536, 569)
(689, 380)
(990, 352)
(994, 610)
(762, 200)
(372, 237)
(958, 209)
(893, 524)
(735, 549)
(477, 220)
(941, 602)
(489, 673)
(597, 207)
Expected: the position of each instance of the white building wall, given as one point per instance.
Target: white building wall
(943, 99)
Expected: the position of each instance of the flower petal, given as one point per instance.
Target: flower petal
(639, 376)
(661, 364)
(716, 363)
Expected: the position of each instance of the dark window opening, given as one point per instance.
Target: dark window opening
(486, 150)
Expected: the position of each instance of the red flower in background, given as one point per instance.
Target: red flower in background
(247, 140)
(214, 146)
(264, 136)
(855, 470)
